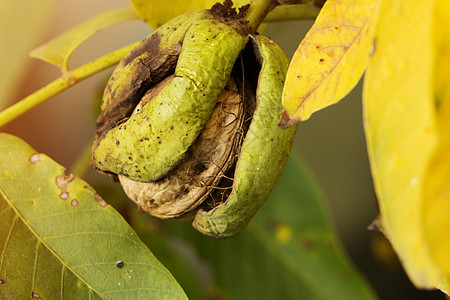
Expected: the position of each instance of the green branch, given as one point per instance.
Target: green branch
(63, 83)
(293, 12)
(257, 12)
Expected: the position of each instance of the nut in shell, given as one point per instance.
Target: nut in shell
(203, 143)
(203, 171)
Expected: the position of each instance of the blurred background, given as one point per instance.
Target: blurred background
(332, 141)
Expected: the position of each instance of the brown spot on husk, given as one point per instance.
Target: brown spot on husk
(149, 64)
(225, 13)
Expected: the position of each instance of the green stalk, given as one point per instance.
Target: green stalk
(293, 12)
(81, 165)
(257, 12)
(62, 83)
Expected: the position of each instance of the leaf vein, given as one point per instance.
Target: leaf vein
(7, 240)
(165, 272)
(62, 282)
(141, 289)
(67, 213)
(35, 264)
(4, 211)
(90, 232)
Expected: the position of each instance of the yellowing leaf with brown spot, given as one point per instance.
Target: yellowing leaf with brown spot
(401, 131)
(330, 60)
(437, 184)
(155, 13)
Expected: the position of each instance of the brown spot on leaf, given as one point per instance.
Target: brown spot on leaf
(74, 202)
(35, 295)
(119, 264)
(377, 225)
(307, 244)
(273, 224)
(373, 48)
(34, 158)
(64, 195)
(2, 281)
(63, 181)
(100, 200)
(286, 121)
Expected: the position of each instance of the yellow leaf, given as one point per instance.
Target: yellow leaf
(59, 50)
(437, 185)
(330, 60)
(23, 23)
(155, 13)
(400, 126)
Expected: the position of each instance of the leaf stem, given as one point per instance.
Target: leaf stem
(257, 12)
(62, 83)
(81, 165)
(293, 12)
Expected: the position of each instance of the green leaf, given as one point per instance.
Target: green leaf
(156, 13)
(289, 250)
(59, 238)
(176, 255)
(59, 50)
